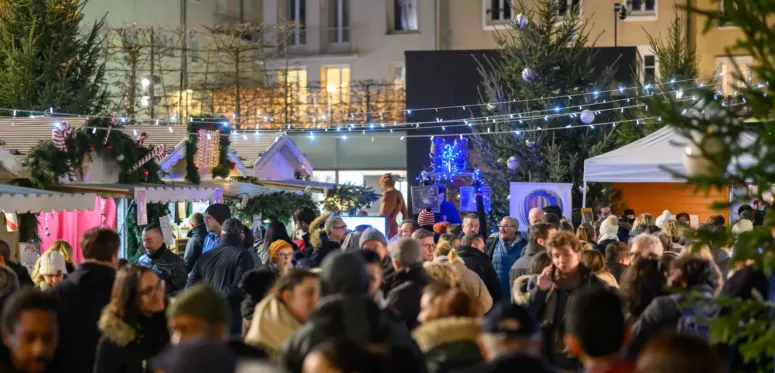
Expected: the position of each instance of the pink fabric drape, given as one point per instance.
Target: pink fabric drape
(69, 226)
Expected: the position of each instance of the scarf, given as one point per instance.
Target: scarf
(272, 325)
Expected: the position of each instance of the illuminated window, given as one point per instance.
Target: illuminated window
(728, 76)
(336, 83)
(295, 83)
(398, 75)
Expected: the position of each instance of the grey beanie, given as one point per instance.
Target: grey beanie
(372, 234)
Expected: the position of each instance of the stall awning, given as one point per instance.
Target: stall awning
(24, 200)
(294, 184)
(237, 189)
(155, 193)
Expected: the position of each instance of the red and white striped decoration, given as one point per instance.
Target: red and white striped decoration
(141, 138)
(60, 134)
(113, 122)
(159, 152)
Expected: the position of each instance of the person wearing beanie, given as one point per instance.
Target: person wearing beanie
(440, 228)
(51, 271)
(662, 219)
(425, 219)
(346, 311)
(215, 215)
(280, 257)
(374, 240)
(223, 267)
(256, 283)
(407, 283)
(609, 233)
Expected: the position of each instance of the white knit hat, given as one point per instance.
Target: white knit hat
(52, 263)
(610, 226)
(662, 219)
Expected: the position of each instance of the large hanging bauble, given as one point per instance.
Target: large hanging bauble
(700, 156)
(521, 20)
(587, 116)
(528, 74)
(512, 163)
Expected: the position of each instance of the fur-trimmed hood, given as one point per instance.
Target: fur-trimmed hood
(116, 329)
(446, 330)
(316, 229)
(520, 291)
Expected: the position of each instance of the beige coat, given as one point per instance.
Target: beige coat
(272, 325)
(471, 283)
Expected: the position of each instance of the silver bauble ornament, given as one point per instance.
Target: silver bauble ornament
(48, 234)
(528, 74)
(587, 116)
(521, 20)
(120, 157)
(512, 163)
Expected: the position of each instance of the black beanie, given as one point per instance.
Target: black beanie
(219, 212)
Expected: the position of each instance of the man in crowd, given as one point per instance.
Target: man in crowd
(535, 216)
(644, 245)
(471, 251)
(617, 259)
(408, 282)
(447, 210)
(425, 238)
(510, 341)
(470, 224)
(504, 250)
(223, 268)
(30, 332)
(406, 229)
(596, 331)
(539, 236)
(374, 240)
(21, 272)
(302, 218)
(168, 265)
(215, 215)
(376, 276)
(556, 285)
(196, 240)
(80, 299)
(334, 232)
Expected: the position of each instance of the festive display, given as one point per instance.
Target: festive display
(113, 122)
(448, 160)
(521, 21)
(528, 74)
(512, 163)
(158, 153)
(271, 206)
(60, 135)
(217, 128)
(348, 199)
(141, 138)
(587, 116)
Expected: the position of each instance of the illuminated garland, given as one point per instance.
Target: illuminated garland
(218, 128)
(349, 199)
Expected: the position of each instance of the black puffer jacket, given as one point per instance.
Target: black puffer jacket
(125, 348)
(222, 268)
(81, 297)
(404, 299)
(196, 239)
(480, 263)
(169, 266)
(324, 248)
(522, 266)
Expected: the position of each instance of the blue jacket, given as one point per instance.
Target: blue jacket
(211, 241)
(503, 258)
(447, 212)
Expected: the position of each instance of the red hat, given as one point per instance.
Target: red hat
(425, 218)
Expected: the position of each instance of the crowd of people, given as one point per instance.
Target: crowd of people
(622, 294)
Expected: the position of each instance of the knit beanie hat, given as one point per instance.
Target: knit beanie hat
(609, 227)
(200, 301)
(219, 212)
(372, 234)
(276, 246)
(441, 228)
(425, 218)
(52, 263)
(662, 219)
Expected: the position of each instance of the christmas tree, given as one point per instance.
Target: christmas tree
(545, 80)
(733, 145)
(47, 60)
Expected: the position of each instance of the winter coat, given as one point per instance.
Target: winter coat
(549, 307)
(603, 244)
(471, 283)
(503, 258)
(404, 299)
(664, 313)
(125, 348)
(721, 258)
(479, 262)
(22, 274)
(624, 231)
(169, 266)
(523, 286)
(222, 268)
(510, 362)
(741, 285)
(522, 266)
(196, 240)
(273, 324)
(355, 317)
(449, 343)
(323, 248)
(80, 300)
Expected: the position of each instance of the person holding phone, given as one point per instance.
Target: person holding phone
(556, 286)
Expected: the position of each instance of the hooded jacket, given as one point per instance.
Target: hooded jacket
(404, 299)
(449, 343)
(471, 283)
(80, 300)
(523, 286)
(196, 240)
(347, 311)
(273, 324)
(222, 268)
(479, 262)
(522, 266)
(125, 348)
(169, 266)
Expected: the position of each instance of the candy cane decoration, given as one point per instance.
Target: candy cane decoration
(158, 152)
(60, 136)
(141, 138)
(113, 122)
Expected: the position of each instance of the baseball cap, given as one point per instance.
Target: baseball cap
(510, 319)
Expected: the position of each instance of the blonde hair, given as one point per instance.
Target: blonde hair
(673, 230)
(643, 219)
(61, 246)
(442, 272)
(703, 252)
(386, 181)
(443, 248)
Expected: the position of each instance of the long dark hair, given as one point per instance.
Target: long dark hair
(126, 290)
(276, 231)
(291, 280)
(641, 283)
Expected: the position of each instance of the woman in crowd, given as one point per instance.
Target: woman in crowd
(524, 285)
(642, 222)
(641, 283)
(280, 257)
(282, 312)
(595, 261)
(468, 280)
(255, 283)
(63, 248)
(448, 334)
(609, 229)
(453, 240)
(133, 324)
(674, 230)
(676, 353)
(588, 232)
(444, 273)
(50, 269)
(274, 231)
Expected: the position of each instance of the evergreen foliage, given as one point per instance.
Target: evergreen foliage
(348, 199)
(46, 61)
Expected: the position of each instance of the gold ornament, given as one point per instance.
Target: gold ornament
(208, 150)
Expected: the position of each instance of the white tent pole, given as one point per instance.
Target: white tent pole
(584, 193)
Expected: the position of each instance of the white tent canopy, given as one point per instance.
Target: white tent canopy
(23, 200)
(648, 160)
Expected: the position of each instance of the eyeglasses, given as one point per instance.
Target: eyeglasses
(283, 255)
(341, 227)
(507, 226)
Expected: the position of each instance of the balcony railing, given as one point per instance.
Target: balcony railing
(315, 41)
